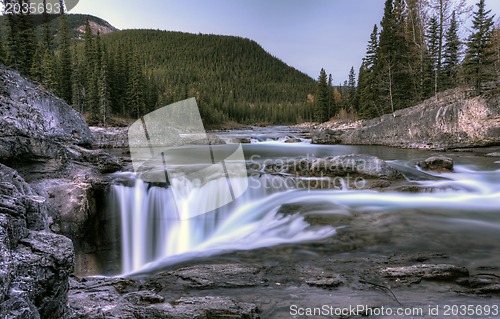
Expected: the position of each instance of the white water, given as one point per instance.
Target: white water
(154, 235)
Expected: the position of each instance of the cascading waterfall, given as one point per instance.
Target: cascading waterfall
(154, 235)
(152, 230)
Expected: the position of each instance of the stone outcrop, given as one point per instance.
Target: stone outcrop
(112, 137)
(34, 264)
(450, 120)
(33, 122)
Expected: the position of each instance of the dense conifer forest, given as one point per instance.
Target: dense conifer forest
(419, 49)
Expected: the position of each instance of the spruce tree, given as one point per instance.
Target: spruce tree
(351, 91)
(386, 56)
(77, 84)
(104, 95)
(49, 76)
(367, 82)
(135, 89)
(433, 44)
(479, 54)
(331, 110)
(64, 87)
(322, 98)
(451, 56)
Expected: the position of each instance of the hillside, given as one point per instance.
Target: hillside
(76, 25)
(231, 74)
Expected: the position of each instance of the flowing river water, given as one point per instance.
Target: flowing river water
(294, 233)
(460, 216)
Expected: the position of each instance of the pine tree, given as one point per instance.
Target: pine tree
(444, 9)
(433, 44)
(64, 87)
(451, 55)
(322, 98)
(479, 55)
(386, 55)
(351, 91)
(367, 81)
(331, 109)
(48, 70)
(135, 89)
(104, 95)
(77, 84)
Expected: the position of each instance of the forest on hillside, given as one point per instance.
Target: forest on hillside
(419, 49)
(417, 52)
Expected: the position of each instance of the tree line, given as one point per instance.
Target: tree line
(415, 53)
(129, 73)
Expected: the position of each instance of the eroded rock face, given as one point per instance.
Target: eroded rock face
(27, 111)
(35, 264)
(450, 120)
(121, 298)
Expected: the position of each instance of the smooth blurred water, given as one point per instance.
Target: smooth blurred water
(155, 235)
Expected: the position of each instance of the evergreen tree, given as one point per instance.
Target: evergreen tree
(64, 87)
(48, 70)
(351, 91)
(135, 89)
(480, 55)
(433, 44)
(104, 95)
(367, 80)
(77, 84)
(331, 105)
(386, 56)
(322, 98)
(451, 55)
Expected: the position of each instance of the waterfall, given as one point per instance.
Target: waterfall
(153, 231)
(155, 234)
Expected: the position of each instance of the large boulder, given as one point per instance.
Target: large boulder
(33, 121)
(437, 163)
(34, 264)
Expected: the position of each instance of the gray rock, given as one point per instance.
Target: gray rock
(111, 298)
(293, 140)
(327, 136)
(450, 120)
(35, 264)
(437, 164)
(30, 112)
(338, 166)
(427, 271)
(110, 137)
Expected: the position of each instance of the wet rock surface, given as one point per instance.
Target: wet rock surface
(35, 264)
(437, 164)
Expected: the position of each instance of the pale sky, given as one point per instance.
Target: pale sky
(306, 34)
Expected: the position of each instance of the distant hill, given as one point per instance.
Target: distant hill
(76, 24)
(236, 75)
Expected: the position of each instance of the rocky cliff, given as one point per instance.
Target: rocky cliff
(48, 181)
(450, 120)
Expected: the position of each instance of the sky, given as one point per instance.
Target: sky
(306, 34)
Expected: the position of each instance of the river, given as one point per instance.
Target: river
(461, 216)
(275, 245)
